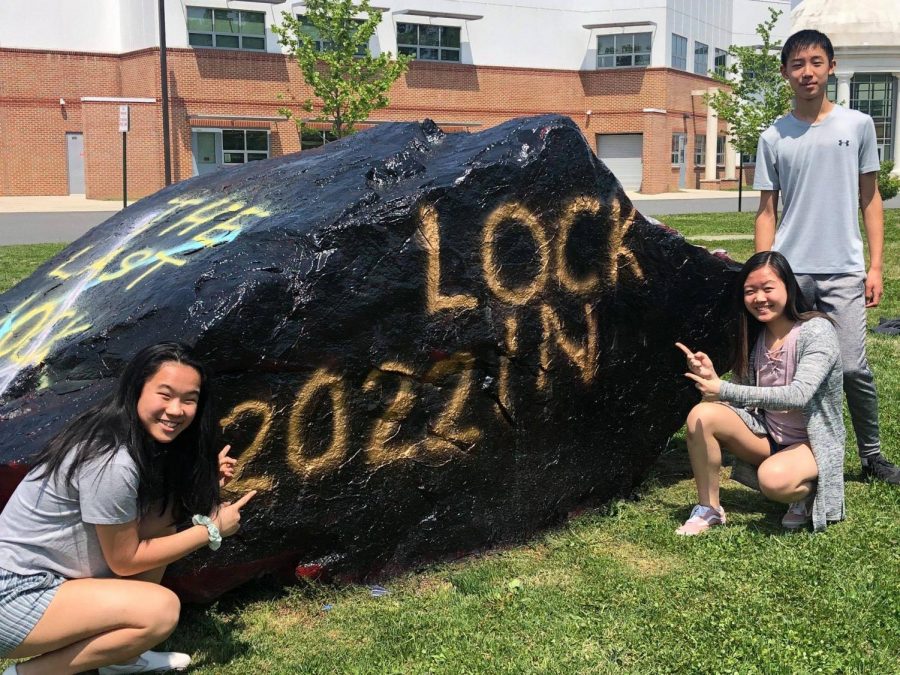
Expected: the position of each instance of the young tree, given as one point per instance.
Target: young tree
(331, 47)
(758, 94)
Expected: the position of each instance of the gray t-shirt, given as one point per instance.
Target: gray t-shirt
(48, 524)
(817, 167)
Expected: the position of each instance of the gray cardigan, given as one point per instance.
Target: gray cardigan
(816, 390)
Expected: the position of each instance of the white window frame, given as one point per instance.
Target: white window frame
(679, 150)
(697, 54)
(245, 152)
(415, 50)
(717, 55)
(626, 39)
(699, 150)
(214, 34)
(679, 51)
(320, 44)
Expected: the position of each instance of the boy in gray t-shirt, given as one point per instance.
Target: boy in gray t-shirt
(823, 160)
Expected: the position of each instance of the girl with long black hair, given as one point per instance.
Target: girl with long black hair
(782, 411)
(86, 537)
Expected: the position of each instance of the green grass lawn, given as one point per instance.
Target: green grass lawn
(608, 592)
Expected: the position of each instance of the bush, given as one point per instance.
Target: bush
(888, 184)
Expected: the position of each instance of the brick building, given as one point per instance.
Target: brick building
(630, 74)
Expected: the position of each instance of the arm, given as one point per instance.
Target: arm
(766, 219)
(127, 555)
(873, 220)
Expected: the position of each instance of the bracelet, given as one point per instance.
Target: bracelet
(215, 538)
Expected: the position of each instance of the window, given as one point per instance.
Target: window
(428, 43)
(720, 62)
(324, 45)
(623, 51)
(873, 94)
(831, 90)
(315, 138)
(679, 52)
(240, 146)
(699, 150)
(720, 150)
(679, 145)
(226, 28)
(701, 58)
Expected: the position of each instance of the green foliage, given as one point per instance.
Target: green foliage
(888, 183)
(17, 262)
(759, 95)
(349, 84)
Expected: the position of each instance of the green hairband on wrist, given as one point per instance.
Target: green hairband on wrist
(215, 537)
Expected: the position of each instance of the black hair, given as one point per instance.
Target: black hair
(796, 308)
(182, 475)
(804, 39)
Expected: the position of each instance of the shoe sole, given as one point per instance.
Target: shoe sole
(795, 526)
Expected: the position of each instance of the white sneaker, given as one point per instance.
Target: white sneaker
(150, 662)
(797, 515)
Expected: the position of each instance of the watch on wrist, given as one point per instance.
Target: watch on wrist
(215, 537)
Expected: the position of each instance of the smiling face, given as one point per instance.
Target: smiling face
(807, 72)
(765, 295)
(168, 401)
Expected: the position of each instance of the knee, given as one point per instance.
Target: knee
(856, 373)
(163, 614)
(700, 418)
(775, 481)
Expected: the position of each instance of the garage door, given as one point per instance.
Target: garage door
(622, 154)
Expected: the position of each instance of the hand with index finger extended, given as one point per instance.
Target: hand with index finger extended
(229, 516)
(709, 388)
(226, 466)
(698, 362)
(242, 502)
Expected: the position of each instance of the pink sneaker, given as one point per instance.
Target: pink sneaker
(797, 515)
(702, 518)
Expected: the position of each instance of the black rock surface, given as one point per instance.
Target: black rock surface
(424, 344)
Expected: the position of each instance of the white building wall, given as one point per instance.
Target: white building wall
(138, 22)
(748, 14)
(515, 33)
(65, 25)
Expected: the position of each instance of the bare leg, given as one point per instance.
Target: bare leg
(789, 476)
(97, 622)
(709, 427)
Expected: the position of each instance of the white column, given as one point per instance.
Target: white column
(712, 129)
(843, 88)
(896, 131)
(730, 158)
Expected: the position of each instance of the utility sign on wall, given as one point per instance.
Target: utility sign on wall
(123, 118)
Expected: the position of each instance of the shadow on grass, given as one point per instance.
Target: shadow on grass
(754, 511)
(213, 632)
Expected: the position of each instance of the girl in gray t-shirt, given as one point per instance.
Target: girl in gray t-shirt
(94, 521)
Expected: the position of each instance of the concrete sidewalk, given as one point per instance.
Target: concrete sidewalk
(78, 203)
(57, 204)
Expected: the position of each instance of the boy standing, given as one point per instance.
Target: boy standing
(822, 158)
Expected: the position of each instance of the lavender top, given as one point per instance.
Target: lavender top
(776, 368)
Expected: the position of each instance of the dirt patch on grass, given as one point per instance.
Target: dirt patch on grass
(639, 559)
(428, 586)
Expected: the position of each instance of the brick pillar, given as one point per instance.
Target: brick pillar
(657, 154)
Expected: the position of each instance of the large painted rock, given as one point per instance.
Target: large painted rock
(424, 344)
